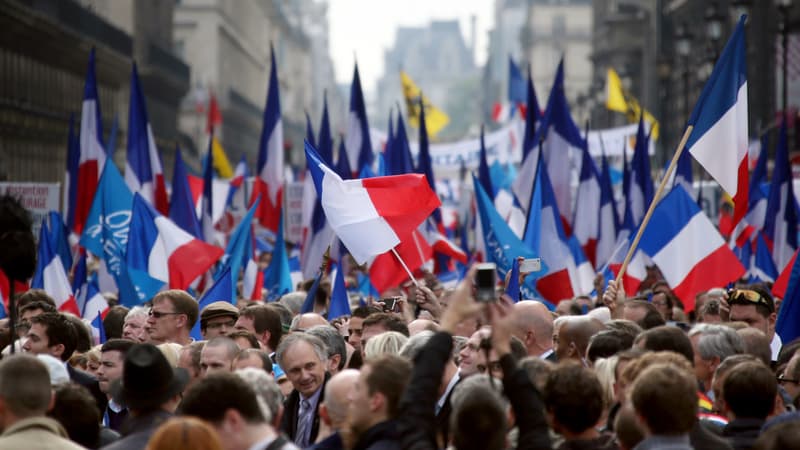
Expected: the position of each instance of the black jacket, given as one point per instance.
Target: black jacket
(138, 430)
(382, 436)
(290, 408)
(417, 423)
(742, 433)
(702, 438)
(90, 383)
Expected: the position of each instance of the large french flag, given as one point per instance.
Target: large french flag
(780, 222)
(386, 271)
(563, 279)
(159, 247)
(143, 170)
(383, 208)
(92, 152)
(269, 171)
(561, 138)
(719, 138)
(51, 275)
(586, 220)
(357, 141)
(522, 187)
(608, 218)
(692, 255)
(757, 197)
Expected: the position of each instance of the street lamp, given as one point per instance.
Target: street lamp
(683, 45)
(784, 6)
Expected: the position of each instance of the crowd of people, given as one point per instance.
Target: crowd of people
(437, 370)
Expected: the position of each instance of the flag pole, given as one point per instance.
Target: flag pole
(408, 271)
(656, 198)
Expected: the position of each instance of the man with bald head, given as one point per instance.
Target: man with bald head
(533, 325)
(305, 321)
(574, 335)
(418, 325)
(333, 410)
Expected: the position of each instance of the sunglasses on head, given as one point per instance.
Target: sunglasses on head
(744, 296)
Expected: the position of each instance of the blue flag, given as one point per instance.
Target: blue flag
(310, 131)
(73, 161)
(219, 291)
(308, 304)
(512, 290)
(359, 145)
(788, 324)
(181, 207)
(502, 245)
(59, 237)
(97, 324)
(484, 175)
(277, 276)
(240, 246)
(325, 148)
(340, 303)
(343, 168)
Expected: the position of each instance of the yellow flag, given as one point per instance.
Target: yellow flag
(435, 118)
(618, 99)
(221, 162)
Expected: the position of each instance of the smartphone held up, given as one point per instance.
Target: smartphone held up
(485, 282)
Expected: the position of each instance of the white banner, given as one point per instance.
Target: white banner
(38, 198)
(505, 145)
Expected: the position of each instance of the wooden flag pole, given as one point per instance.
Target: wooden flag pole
(653, 204)
(408, 271)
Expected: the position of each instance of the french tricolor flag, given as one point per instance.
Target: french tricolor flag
(143, 170)
(719, 139)
(371, 215)
(269, 171)
(92, 151)
(87, 295)
(609, 220)
(159, 247)
(358, 143)
(692, 255)
(636, 270)
(586, 220)
(51, 275)
(780, 221)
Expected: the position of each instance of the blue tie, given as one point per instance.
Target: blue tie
(303, 424)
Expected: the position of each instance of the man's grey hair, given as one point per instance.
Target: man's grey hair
(333, 341)
(415, 343)
(286, 343)
(136, 311)
(717, 341)
(294, 301)
(268, 394)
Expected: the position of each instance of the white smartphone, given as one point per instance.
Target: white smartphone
(530, 265)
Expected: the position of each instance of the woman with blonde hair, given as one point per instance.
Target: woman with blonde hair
(185, 432)
(388, 342)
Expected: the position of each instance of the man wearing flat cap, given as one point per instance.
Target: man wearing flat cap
(218, 319)
(151, 390)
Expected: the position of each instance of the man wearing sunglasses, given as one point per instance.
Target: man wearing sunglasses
(755, 307)
(172, 317)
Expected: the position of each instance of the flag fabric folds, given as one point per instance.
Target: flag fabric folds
(269, 171)
(277, 276)
(788, 324)
(92, 152)
(415, 101)
(143, 169)
(384, 208)
(692, 255)
(181, 207)
(340, 302)
(640, 187)
(586, 220)
(163, 250)
(51, 275)
(719, 139)
(618, 99)
(357, 141)
(780, 221)
(70, 200)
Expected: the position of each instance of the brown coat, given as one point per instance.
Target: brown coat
(36, 433)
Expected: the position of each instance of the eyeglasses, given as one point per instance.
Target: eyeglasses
(217, 325)
(160, 314)
(782, 380)
(744, 296)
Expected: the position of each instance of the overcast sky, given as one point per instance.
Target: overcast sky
(364, 29)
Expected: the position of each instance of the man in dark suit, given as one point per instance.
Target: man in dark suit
(303, 358)
(53, 334)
